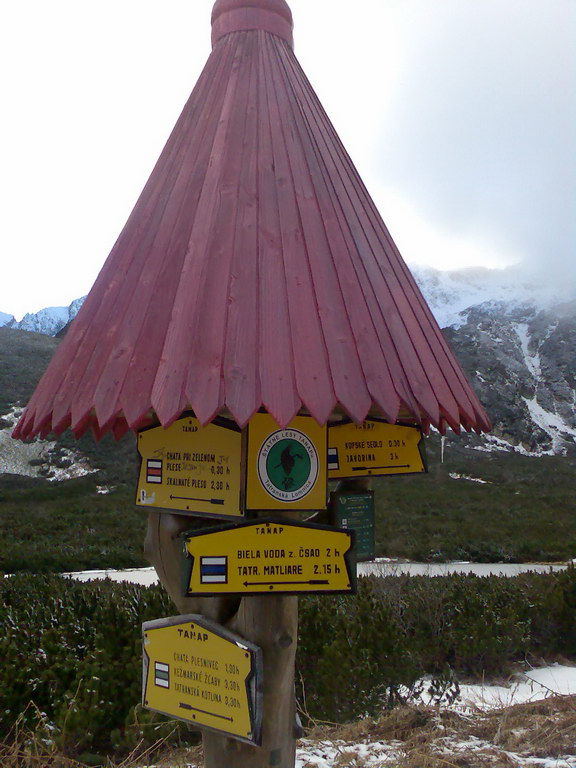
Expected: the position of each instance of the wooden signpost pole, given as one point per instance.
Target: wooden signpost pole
(270, 621)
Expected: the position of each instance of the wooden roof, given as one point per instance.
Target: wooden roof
(254, 272)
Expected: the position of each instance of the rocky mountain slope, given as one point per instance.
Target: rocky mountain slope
(514, 334)
(522, 363)
(23, 358)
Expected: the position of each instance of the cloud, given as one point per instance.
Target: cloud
(480, 136)
(460, 115)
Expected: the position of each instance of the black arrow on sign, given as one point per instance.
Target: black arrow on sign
(190, 498)
(182, 705)
(392, 466)
(276, 583)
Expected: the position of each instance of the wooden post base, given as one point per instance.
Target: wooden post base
(270, 622)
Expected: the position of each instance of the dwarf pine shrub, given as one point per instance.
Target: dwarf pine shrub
(74, 649)
(360, 654)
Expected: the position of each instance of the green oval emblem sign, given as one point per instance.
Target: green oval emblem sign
(288, 465)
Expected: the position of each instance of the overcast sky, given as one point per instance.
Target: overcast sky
(460, 115)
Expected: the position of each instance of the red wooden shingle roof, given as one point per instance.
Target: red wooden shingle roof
(254, 271)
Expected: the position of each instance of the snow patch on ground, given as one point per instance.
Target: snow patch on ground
(381, 567)
(144, 576)
(104, 490)
(325, 754)
(379, 755)
(456, 476)
(396, 568)
(534, 685)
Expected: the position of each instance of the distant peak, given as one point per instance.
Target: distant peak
(6, 319)
(48, 321)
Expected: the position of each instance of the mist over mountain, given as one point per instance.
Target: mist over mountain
(451, 294)
(513, 332)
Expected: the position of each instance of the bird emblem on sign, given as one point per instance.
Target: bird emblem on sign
(288, 462)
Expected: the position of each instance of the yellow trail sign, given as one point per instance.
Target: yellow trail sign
(271, 557)
(374, 448)
(197, 671)
(191, 469)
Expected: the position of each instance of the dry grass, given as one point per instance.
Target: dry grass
(399, 724)
(432, 738)
(31, 744)
(30, 753)
(32, 747)
(544, 728)
(419, 737)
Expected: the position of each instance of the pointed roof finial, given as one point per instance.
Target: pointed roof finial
(272, 16)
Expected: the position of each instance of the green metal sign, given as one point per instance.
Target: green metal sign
(355, 511)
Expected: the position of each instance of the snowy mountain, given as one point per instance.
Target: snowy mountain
(451, 294)
(514, 334)
(6, 319)
(48, 321)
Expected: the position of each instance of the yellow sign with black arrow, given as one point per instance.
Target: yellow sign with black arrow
(199, 672)
(374, 448)
(191, 469)
(270, 557)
